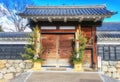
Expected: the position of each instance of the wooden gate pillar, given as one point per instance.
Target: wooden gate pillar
(94, 48)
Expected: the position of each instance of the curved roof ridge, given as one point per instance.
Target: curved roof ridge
(73, 6)
(14, 32)
(108, 32)
(111, 22)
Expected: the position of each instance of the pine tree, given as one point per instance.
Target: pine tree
(78, 53)
(34, 49)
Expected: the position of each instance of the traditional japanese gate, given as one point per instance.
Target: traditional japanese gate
(58, 47)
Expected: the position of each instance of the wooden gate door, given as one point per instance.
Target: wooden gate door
(65, 49)
(49, 42)
(57, 49)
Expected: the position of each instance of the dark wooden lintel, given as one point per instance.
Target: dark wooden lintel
(68, 23)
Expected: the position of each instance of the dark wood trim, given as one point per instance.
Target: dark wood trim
(68, 23)
(57, 31)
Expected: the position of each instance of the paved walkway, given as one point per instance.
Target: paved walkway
(37, 76)
(64, 77)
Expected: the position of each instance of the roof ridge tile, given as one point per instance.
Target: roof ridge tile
(87, 6)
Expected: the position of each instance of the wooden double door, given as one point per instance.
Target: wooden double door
(57, 49)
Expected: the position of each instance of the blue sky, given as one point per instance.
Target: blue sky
(113, 5)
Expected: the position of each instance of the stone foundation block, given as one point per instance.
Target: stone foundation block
(1, 75)
(118, 62)
(112, 63)
(112, 69)
(8, 76)
(118, 71)
(12, 69)
(4, 71)
(22, 65)
(8, 65)
(117, 66)
(2, 65)
(19, 70)
(104, 68)
(105, 63)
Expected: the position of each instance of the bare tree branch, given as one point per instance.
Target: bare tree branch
(12, 7)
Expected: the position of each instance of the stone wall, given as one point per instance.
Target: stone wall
(12, 68)
(111, 68)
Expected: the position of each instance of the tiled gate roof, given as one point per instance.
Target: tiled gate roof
(66, 10)
(70, 13)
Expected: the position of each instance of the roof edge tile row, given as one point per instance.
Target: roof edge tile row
(87, 6)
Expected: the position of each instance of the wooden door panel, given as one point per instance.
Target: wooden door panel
(65, 45)
(50, 49)
(88, 58)
(49, 43)
(57, 49)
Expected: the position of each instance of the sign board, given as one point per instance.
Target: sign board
(99, 61)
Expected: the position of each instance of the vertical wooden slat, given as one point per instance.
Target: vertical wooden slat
(94, 47)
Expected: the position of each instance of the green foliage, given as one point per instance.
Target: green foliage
(77, 56)
(1, 30)
(29, 52)
(30, 49)
(82, 41)
(74, 56)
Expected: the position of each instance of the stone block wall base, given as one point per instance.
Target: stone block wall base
(1, 65)
(111, 69)
(37, 66)
(118, 70)
(2, 80)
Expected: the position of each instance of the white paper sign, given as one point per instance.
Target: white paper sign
(99, 61)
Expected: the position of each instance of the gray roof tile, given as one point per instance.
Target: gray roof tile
(109, 26)
(65, 11)
(14, 34)
(108, 34)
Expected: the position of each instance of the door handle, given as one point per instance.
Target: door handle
(58, 51)
(48, 51)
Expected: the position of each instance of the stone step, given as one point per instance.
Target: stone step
(56, 69)
(88, 69)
